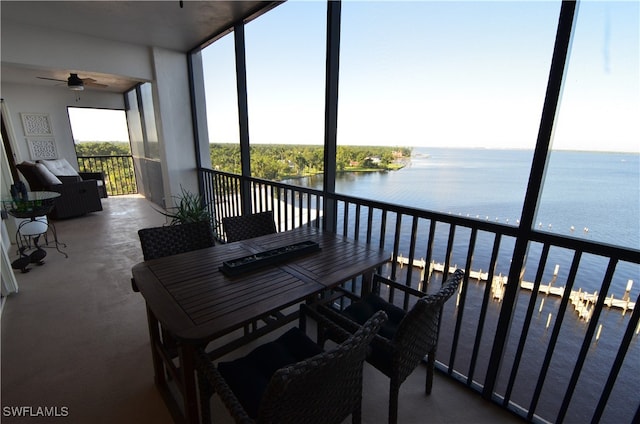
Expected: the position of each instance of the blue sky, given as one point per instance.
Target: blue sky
(460, 74)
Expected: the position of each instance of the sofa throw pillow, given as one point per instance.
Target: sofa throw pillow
(46, 175)
(31, 174)
(60, 167)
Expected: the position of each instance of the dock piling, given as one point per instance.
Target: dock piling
(598, 333)
(582, 301)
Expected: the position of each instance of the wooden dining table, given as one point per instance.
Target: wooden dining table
(188, 296)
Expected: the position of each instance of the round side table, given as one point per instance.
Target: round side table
(33, 211)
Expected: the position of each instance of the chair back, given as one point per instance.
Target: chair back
(417, 333)
(158, 242)
(323, 389)
(244, 227)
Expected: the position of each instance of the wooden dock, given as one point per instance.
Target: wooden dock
(582, 301)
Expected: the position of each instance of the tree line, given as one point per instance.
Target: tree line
(282, 161)
(268, 161)
(102, 148)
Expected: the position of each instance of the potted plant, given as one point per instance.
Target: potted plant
(190, 207)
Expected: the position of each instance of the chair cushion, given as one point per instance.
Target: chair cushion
(60, 167)
(46, 175)
(361, 311)
(28, 227)
(249, 376)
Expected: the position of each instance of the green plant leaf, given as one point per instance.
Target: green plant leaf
(190, 207)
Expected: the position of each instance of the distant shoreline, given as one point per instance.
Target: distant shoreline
(413, 147)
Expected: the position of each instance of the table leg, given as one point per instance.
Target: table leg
(186, 352)
(154, 336)
(160, 369)
(367, 279)
(55, 239)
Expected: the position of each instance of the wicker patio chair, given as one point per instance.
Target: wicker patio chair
(405, 339)
(245, 227)
(158, 242)
(291, 380)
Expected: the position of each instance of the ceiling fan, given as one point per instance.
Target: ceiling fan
(76, 83)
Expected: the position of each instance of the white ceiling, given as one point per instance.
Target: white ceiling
(149, 23)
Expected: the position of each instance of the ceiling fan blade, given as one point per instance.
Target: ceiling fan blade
(75, 81)
(52, 79)
(92, 83)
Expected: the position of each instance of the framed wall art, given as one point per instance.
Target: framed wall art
(42, 148)
(36, 124)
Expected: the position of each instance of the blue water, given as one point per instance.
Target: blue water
(597, 191)
(587, 195)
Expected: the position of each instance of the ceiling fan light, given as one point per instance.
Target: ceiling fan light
(75, 83)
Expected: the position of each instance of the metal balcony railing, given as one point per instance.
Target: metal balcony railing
(119, 173)
(571, 348)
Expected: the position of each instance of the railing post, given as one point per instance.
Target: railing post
(243, 116)
(200, 139)
(534, 187)
(331, 114)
